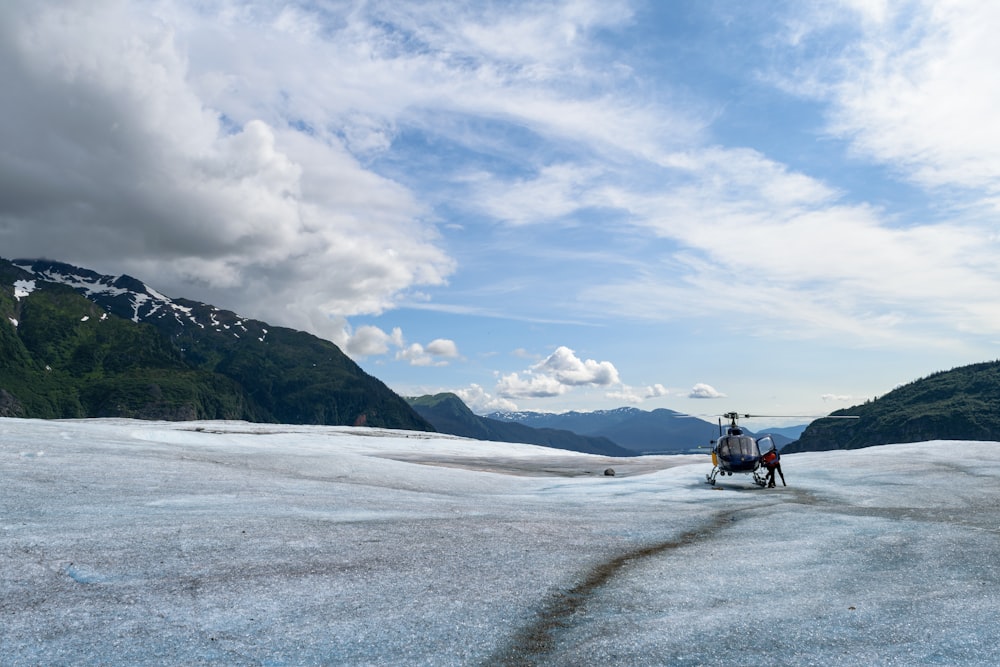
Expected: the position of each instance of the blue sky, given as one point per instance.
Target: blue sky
(783, 208)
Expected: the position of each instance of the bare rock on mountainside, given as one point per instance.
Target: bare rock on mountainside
(9, 405)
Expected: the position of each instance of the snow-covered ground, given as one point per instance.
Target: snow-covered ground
(145, 543)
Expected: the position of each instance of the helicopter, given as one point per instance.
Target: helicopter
(738, 452)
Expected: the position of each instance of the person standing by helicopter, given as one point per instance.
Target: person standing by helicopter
(772, 461)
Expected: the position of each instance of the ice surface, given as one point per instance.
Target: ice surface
(132, 543)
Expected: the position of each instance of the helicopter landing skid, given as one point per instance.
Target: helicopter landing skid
(758, 479)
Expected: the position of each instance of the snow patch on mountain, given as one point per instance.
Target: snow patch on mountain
(127, 296)
(23, 288)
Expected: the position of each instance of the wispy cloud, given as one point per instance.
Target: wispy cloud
(633, 395)
(916, 90)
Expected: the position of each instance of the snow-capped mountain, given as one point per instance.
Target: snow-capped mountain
(132, 299)
(75, 343)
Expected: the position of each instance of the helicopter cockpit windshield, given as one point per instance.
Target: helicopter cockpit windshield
(739, 452)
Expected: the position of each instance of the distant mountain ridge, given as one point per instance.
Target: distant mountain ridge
(659, 431)
(640, 431)
(960, 404)
(449, 414)
(75, 343)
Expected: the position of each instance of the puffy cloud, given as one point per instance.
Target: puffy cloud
(656, 391)
(532, 386)
(436, 353)
(702, 390)
(134, 141)
(557, 374)
(415, 354)
(482, 402)
(565, 367)
(370, 340)
(442, 347)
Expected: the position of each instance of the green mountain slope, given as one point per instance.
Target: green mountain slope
(66, 355)
(960, 404)
(449, 414)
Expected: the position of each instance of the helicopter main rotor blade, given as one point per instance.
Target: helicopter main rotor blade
(746, 416)
(743, 415)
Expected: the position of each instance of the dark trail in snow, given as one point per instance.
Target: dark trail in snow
(533, 644)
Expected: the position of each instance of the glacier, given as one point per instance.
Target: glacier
(183, 543)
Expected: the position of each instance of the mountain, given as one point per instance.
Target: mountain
(659, 431)
(960, 404)
(74, 343)
(450, 415)
(640, 431)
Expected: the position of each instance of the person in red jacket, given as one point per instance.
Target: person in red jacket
(772, 461)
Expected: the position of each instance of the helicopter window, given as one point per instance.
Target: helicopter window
(738, 445)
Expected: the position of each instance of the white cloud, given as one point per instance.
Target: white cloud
(557, 374)
(545, 34)
(702, 390)
(442, 347)
(224, 152)
(482, 402)
(157, 160)
(787, 258)
(784, 250)
(513, 385)
(555, 191)
(415, 354)
(220, 151)
(568, 369)
(370, 340)
(918, 92)
(656, 391)
(638, 394)
(436, 353)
